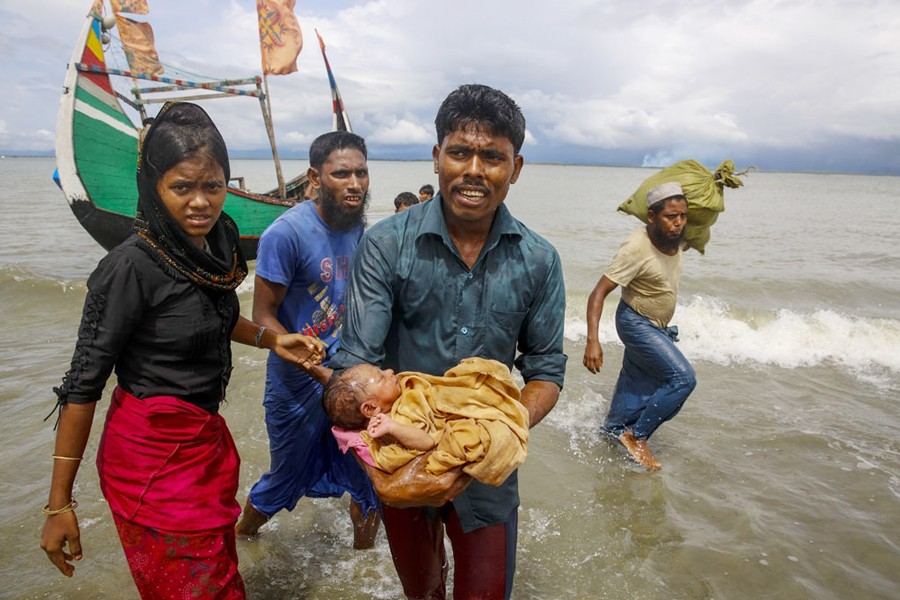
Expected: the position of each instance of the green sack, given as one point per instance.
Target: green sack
(702, 189)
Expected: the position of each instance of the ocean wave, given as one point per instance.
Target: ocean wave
(711, 330)
(20, 280)
(27, 281)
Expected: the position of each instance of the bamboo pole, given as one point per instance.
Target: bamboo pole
(266, 105)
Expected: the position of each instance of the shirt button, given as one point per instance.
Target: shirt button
(464, 330)
(471, 274)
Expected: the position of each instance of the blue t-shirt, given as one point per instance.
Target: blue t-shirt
(300, 251)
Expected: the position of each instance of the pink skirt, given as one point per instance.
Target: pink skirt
(167, 464)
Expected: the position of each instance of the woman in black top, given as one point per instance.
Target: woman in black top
(161, 310)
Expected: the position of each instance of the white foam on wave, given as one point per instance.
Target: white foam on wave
(709, 329)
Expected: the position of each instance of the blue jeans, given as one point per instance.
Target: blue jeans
(655, 380)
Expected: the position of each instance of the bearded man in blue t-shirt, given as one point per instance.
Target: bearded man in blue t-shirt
(302, 266)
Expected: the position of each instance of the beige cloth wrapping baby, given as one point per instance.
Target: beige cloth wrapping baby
(472, 412)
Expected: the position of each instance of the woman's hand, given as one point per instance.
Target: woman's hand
(58, 531)
(299, 349)
(61, 529)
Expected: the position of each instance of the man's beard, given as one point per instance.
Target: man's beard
(335, 217)
(663, 242)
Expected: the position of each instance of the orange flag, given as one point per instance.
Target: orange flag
(137, 41)
(135, 7)
(280, 39)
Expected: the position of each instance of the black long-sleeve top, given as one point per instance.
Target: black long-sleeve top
(163, 335)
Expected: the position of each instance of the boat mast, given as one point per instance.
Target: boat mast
(266, 106)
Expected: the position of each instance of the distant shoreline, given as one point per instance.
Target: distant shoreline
(240, 156)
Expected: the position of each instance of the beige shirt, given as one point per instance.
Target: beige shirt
(649, 278)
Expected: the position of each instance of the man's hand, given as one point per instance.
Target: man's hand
(411, 485)
(593, 356)
(593, 353)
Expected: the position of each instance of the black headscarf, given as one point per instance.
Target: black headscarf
(181, 131)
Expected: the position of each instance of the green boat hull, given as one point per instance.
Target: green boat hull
(97, 150)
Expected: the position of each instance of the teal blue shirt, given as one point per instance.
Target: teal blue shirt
(413, 305)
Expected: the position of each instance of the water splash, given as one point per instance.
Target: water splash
(713, 331)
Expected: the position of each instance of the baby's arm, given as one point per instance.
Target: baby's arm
(407, 436)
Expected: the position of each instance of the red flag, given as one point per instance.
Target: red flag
(280, 39)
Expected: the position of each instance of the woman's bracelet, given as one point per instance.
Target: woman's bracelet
(72, 505)
(259, 335)
(59, 457)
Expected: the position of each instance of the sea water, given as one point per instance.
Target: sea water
(780, 478)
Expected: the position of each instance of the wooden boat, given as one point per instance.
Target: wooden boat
(97, 144)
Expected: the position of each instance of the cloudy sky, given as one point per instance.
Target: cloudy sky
(801, 85)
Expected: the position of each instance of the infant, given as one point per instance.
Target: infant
(470, 417)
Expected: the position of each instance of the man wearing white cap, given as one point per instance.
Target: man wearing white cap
(656, 378)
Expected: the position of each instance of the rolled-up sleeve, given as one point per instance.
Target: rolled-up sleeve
(541, 355)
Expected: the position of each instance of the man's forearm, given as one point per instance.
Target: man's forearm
(595, 305)
(539, 397)
(411, 485)
(267, 298)
(320, 373)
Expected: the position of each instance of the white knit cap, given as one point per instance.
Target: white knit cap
(664, 191)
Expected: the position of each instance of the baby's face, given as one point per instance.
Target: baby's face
(381, 385)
